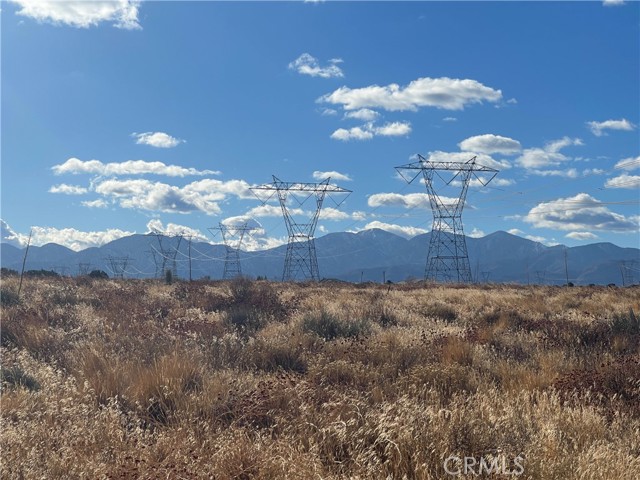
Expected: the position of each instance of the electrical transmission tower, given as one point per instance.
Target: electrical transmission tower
(447, 259)
(118, 265)
(627, 269)
(61, 270)
(300, 261)
(83, 269)
(164, 255)
(232, 237)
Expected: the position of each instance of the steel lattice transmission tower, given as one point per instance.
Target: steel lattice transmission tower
(300, 261)
(118, 265)
(447, 259)
(83, 268)
(232, 237)
(164, 256)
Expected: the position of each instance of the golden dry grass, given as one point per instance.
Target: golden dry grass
(241, 380)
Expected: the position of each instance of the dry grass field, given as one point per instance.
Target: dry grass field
(241, 380)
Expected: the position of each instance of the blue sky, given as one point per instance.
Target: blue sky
(161, 115)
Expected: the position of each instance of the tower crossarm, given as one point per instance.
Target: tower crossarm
(470, 166)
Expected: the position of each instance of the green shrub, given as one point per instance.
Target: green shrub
(99, 274)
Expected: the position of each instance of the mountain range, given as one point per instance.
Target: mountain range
(370, 255)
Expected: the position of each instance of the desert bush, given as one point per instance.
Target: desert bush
(98, 274)
(456, 350)
(252, 305)
(245, 319)
(27, 330)
(382, 314)
(8, 272)
(340, 372)
(330, 327)
(260, 296)
(615, 384)
(272, 356)
(627, 324)
(277, 348)
(8, 297)
(16, 377)
(440, 311)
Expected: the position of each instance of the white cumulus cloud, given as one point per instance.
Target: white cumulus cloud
(364, 114)
(476, 233)
(481, 159)
(410, 200)
(328, 112)
(368, 131)
(202, 195)
(75, 166)
(157, 139)
(306, 64)
(393, 129)
(82, 13)
(98, 203)
(317, 175)
(68, 189)
(403, 231)
(69, 237)
(445, 93)
(536, 238)
(267, 210)
(631, 182)
(333, 214)
(490, 143)
(581, 236)
(628, 164)
(581, 212)
(568, 173)
(549, 155)
(355, 133)
(174, 229)
(598, 128)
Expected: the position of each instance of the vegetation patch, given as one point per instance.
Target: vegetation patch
(252, 379)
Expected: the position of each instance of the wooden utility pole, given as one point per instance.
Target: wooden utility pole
(566, 265)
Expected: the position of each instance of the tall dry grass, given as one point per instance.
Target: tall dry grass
(137, 379)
